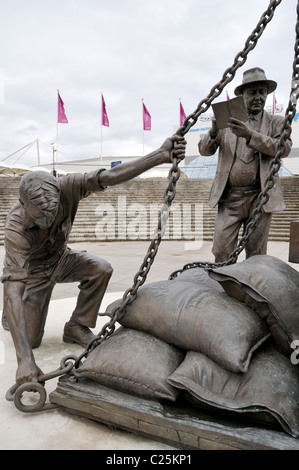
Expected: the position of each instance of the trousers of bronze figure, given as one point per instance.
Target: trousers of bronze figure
(234, 211)
(92, 273)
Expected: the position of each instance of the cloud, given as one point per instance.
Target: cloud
(128, 50)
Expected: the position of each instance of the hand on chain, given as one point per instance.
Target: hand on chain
(239, 128)
(28, 371)
(175, 145)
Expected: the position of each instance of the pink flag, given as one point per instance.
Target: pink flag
(227, 97)
(182, 115)
(61, 113)
(146, 119)
(105, 120)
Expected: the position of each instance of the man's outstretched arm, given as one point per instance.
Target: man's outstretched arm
(121, 173)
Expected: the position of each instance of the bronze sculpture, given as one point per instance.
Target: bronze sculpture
(191, 439)
(245, 152)
(37, 256)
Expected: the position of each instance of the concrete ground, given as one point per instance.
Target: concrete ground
(58, 430)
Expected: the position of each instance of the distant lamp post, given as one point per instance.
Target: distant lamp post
(54, 145)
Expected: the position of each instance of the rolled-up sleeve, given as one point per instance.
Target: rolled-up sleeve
(77, 186)
(208, 146)
(11, 273)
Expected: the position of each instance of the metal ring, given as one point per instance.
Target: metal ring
(30, 387)
(9, 396)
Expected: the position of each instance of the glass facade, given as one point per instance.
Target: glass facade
(205, 167)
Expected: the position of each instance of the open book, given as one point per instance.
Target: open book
(231, 108)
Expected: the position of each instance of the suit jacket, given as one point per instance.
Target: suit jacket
(265, 142)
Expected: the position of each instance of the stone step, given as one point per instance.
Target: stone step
(147, 192)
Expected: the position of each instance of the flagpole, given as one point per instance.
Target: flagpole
(101, 127)
(37, 148)
(61, 117)
(104, 122)
(180, 112)
(55, 151)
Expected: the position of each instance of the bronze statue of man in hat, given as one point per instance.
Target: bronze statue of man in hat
(245, 153)
(37, 255)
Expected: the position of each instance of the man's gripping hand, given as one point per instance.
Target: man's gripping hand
(240, 128)
(27, 371)
(176, 143)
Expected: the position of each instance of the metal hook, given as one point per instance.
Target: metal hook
(39, 405)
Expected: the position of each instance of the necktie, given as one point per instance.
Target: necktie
(253, 123)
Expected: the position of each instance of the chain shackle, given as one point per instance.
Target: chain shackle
(15, 393)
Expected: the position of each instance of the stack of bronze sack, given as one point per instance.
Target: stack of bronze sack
(219, 338)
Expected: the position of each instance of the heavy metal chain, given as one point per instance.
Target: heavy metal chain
(174, 175)
(70, 362)
(274, 168)
(229, 73)
(141, 275)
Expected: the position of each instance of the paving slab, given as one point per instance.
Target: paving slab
(58, 430)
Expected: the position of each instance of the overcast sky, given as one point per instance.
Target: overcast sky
(129, 50)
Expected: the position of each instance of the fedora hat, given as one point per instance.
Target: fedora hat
(252, 76)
